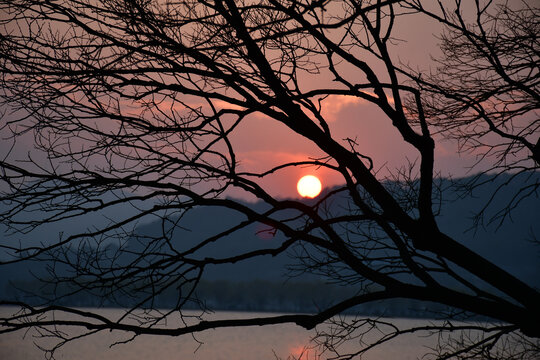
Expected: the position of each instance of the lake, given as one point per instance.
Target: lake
(268, 342)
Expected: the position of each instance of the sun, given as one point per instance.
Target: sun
(309, 186)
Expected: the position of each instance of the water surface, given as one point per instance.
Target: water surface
(267, 342)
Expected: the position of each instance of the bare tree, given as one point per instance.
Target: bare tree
(484, 92)
(141, 99)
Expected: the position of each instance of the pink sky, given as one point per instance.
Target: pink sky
(262, 143)
(266, 143)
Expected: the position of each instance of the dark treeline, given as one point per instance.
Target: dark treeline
(223, 295)
(264, 283)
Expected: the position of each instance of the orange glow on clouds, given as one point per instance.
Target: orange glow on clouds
(262, 144)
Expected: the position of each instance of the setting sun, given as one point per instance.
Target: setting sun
(309, 186)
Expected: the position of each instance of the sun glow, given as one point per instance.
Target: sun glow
(309, 186)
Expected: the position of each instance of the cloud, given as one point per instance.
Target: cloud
(334, 104)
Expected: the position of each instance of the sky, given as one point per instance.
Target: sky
(262, 143)
(265, 143)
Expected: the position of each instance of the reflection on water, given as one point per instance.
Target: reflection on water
(268, 342)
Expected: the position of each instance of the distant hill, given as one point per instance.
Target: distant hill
(508, 245)
(511, 245)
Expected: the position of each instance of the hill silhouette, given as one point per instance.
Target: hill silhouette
(264, 283)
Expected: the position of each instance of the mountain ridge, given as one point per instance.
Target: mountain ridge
(508, 246)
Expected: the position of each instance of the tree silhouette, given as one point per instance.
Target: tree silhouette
(484, 93)
(138, 102)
